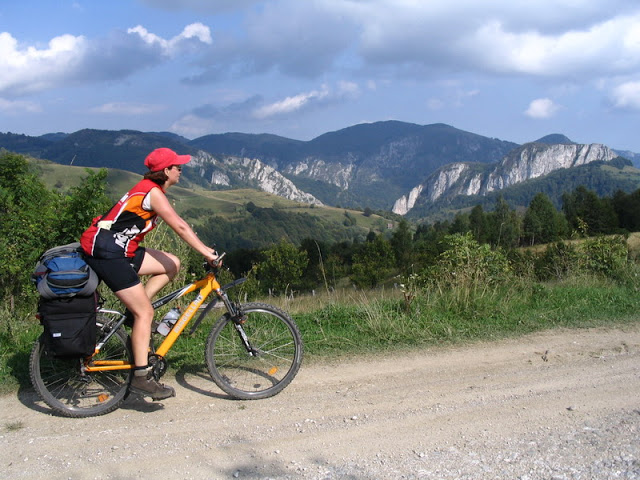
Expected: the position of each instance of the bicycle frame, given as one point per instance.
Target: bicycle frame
(253, 351)
(209, 284)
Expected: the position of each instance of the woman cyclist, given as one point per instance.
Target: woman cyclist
(111, 245)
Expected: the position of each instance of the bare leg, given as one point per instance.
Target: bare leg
(137, 301)
(162, 267)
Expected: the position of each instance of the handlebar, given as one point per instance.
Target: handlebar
(218, 262)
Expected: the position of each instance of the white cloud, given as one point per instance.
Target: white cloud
(600, 49)
(19, 106)
(291, 104)
(192, 126)
(27, 70)
(582, 37)
(172, 46)
(627, 96)
(343, 92)
(122, 108)
(541, 108)
(69, 60)
(452, 95)
(350, 89)
(435, 104)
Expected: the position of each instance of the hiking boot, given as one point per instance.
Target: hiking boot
(148, 386)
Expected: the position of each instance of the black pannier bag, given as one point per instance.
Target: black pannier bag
(69, 325)
(68, 301)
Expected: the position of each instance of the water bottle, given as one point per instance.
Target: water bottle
(169, 320)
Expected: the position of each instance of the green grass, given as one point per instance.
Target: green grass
(349, 323)
(383, 324)
(352, 323)
(17, 335)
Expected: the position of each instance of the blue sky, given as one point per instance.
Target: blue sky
(509, 69)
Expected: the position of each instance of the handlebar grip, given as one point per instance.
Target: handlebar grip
(219, 259)
(207, 266)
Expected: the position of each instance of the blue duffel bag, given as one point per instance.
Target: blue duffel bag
(62, 272)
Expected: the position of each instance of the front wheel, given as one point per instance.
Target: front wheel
(62, 384)
(264, 366)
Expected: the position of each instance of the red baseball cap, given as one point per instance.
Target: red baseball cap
(162, 158)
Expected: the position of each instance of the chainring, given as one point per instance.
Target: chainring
(158, 365)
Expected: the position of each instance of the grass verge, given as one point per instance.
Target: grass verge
(352, 322)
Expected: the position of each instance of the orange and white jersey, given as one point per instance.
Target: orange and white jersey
(118, 233)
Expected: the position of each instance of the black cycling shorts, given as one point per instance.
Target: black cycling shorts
(118, 273)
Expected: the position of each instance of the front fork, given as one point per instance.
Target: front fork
(239, 318)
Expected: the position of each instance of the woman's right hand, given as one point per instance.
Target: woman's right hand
(215, 260)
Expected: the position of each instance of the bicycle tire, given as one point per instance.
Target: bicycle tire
(61, 384)
(278, 343)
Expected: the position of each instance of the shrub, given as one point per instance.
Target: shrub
(467, 264)
(606, 256)
(557, 262)
(466, 271)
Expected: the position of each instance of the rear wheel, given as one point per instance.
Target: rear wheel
(272, 363)
(63, 386)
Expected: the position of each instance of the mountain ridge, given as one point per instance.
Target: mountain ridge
(366, 165)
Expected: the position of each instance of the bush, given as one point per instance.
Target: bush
(466, 272)
(372, 263)
(606, 256)
(557, 262)
(464, 263)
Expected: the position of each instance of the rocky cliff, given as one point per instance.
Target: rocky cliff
(532, 160)
(251, 172)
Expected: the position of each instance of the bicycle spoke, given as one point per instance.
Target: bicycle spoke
(61, 384)
(275, 341)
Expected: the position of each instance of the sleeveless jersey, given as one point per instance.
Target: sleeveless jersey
(118, 233)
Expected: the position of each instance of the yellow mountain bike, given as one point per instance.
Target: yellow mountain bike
(253, 351)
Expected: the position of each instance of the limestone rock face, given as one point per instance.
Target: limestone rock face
(529, 161)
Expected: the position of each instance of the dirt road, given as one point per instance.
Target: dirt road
(557, 405)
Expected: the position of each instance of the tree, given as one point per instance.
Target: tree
(542, 223)
(349, 220)
(505, 226)
(315, 273)
(402, 245)
(282, 267)
(81, 205)
(465, 263)
(478, 224)
(584, 208)
(372, 262)
(28, 223)
(34, 219)
(427, 242)
(627, 208)
(460, 224)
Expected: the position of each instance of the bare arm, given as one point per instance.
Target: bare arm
(160, 204)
